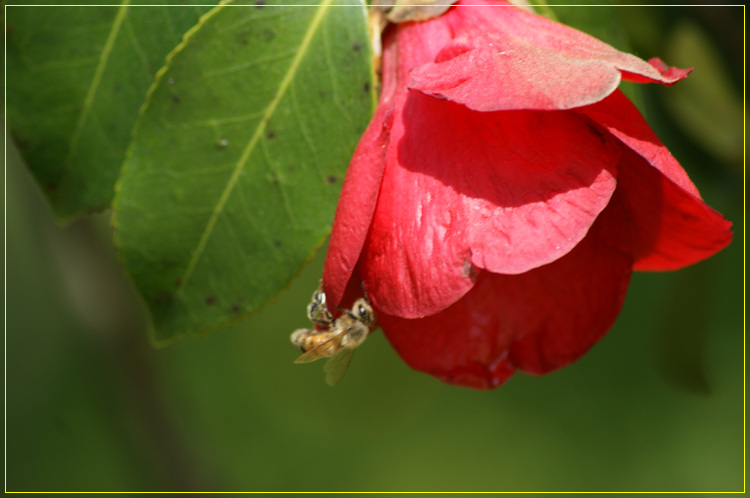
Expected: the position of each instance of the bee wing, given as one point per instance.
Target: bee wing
(336, 366)
(310, 355)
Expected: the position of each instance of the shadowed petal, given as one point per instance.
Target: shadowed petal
(580, 296)
(622, 119)
(506, 192)
(536, 322)
(672, 226)
(359, 193)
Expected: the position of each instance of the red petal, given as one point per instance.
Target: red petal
(505, 191)
(622, 119)
(673, 227)
(465, 344)
(359, 192)
(670, 75)
(503, 58)
(356, 205)
(538, 321)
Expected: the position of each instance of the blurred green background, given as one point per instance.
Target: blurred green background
(657, 405)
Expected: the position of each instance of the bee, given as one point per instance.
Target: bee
(331, 338)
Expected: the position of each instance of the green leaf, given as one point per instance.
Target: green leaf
(235, 170)
(76, 78)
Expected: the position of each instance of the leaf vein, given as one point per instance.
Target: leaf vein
(96, 80)
(216, 123)
(255, 62)
(135, 44)
(284, 85)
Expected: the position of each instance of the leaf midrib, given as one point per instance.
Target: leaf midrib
(96, 80)
(218, 209)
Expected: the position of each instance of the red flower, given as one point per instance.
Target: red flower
(503, 193)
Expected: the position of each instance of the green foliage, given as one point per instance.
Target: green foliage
(76, 77)
(229, 164)
(233, 176)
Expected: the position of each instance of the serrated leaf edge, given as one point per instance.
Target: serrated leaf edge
(134, 133)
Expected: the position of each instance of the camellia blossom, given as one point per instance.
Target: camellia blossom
(503, 193)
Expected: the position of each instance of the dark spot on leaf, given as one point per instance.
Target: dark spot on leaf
(210, 299)
(356, 47)
(332, 179)
(243, 36)
(277, 243)
(260, 3)
(291, 169)
(271, 135)
(322, 94)
(366, 86)
(269, 34)
(178, 282)
(10, 30)
(51, 187)
(236, 309)
(175, 99)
